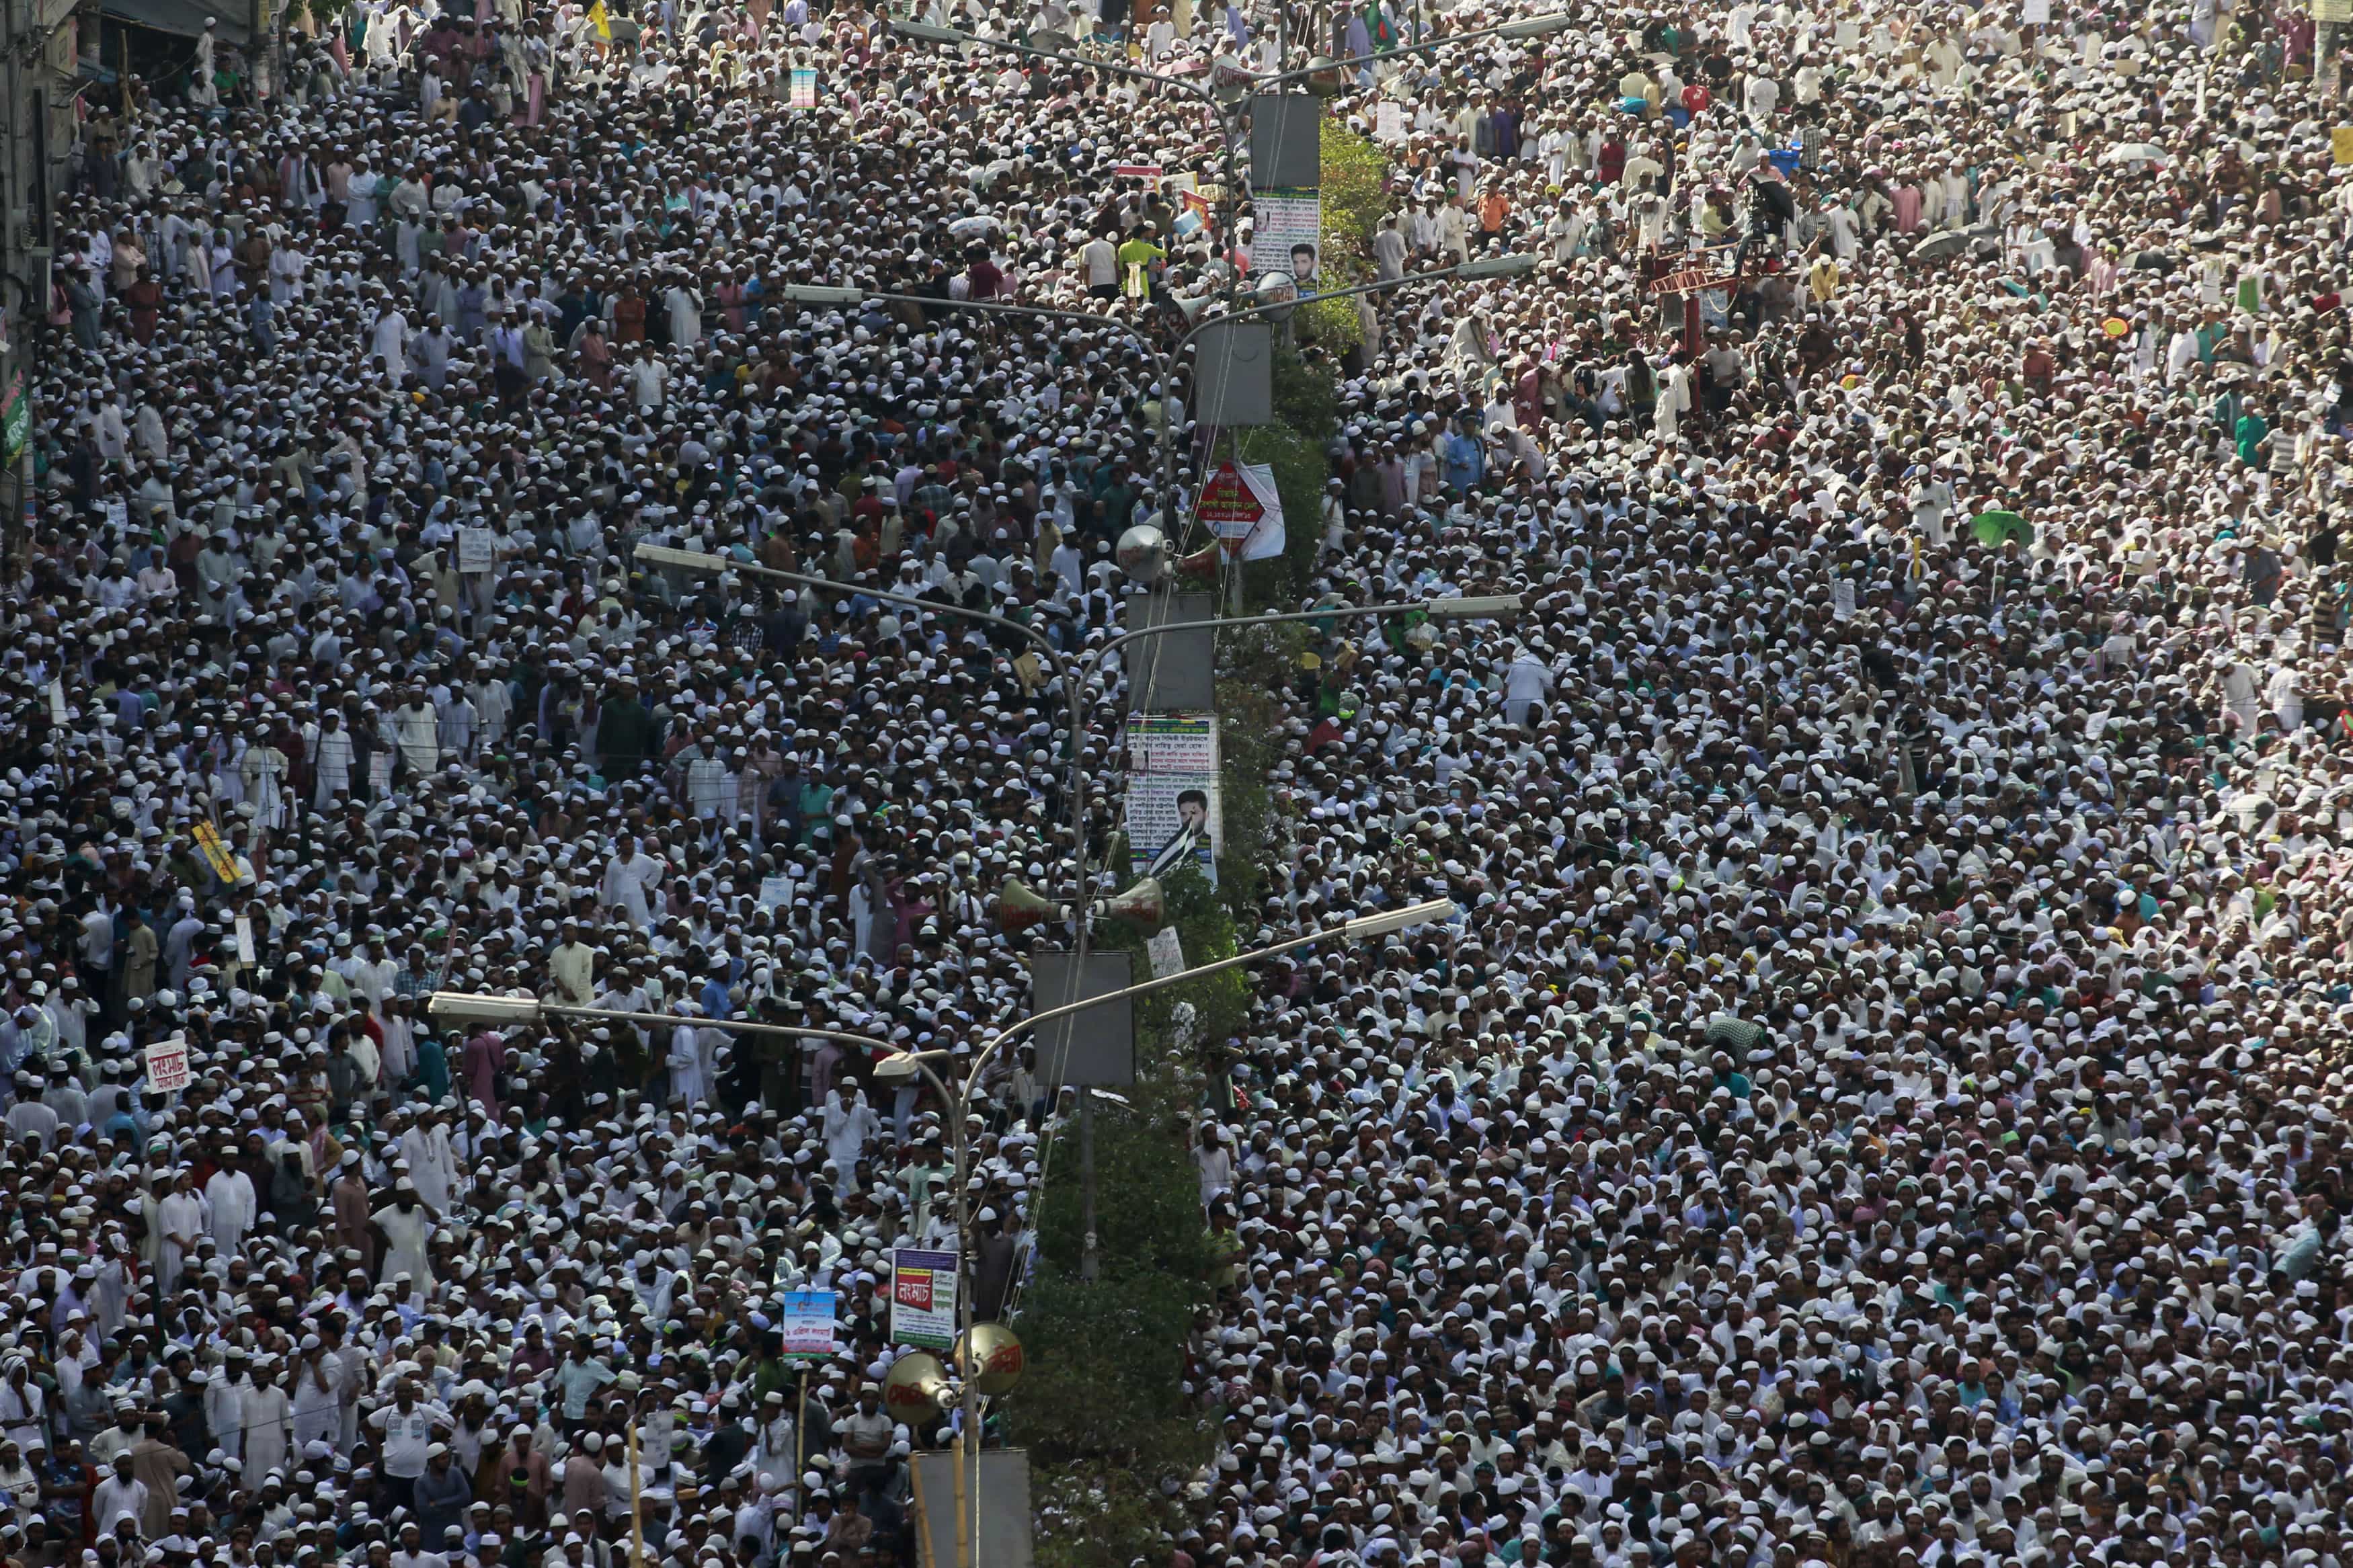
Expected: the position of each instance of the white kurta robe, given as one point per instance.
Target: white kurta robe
(685, 1064)
(181, 1216)
(848, 1124)
(234, 1207)
(626, 885)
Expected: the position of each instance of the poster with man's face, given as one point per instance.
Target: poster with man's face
(1191, 840)
(1175, 814)
(1287, 233)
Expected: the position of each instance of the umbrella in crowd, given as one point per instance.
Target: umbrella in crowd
(1882, 1103)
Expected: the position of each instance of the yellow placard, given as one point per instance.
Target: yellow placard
(216, 853)
(2340, 145)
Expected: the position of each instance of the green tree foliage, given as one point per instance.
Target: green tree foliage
(1106, 1360)
(1103, 1408)
(1306, 418)
(1354, 190)
(1254, 665)
(1148, 1220)
(1092, 1516)
(1206, 931)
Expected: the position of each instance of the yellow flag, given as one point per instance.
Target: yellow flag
(2340, 145)
(600, 20)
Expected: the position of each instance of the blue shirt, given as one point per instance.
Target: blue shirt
(1463, 460)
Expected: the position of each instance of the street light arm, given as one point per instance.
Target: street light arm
(1028, 1025)
(1483, 267)
(1486, 266)
(1526, 28)
(995, 307)
(703, 561)
(1166, 360)
(1336, 611)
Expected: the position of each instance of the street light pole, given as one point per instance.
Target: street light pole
(1364, 928)
(458, 1005)
(902, 1063)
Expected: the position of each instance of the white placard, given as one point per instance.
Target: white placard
(1167, 953)
(167, 1065)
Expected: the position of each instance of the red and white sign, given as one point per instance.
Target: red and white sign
(1242, 506)
(167, 1065)
(1150, 173)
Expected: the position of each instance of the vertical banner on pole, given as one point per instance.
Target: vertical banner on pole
(922, 1298)
(1287, 235)
(1176, 805)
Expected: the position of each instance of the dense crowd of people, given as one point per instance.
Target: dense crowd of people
(1882, 1103)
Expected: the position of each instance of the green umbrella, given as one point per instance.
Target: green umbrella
(1992, 527)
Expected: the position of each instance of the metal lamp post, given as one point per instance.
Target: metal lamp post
(903, 1064)
(900, 1064)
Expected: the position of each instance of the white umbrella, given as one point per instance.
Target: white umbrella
(2134, 152)
(1937, 247)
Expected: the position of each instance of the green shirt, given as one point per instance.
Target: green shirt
(1136, 259)
(2250, 432)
